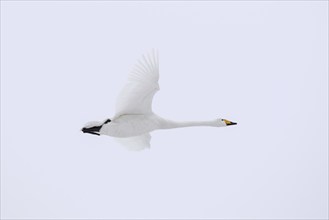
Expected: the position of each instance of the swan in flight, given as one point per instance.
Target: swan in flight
(134, 118)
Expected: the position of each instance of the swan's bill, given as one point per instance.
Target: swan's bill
(227, 122)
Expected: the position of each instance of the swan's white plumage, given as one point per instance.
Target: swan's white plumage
(92, 124)
(136, 143)
(137, 95)
(134, 118)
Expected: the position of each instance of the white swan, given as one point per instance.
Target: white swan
(134, 118)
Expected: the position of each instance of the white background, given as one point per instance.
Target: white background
(262, 64)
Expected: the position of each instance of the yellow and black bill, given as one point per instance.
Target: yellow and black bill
(227, 122)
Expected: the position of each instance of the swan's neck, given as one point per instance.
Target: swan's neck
(168, 124)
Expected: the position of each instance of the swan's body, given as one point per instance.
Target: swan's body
(134, 118)
(131, 125)
(134, 125)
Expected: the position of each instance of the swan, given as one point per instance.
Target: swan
(134, 119)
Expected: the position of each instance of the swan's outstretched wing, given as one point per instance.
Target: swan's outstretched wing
(137, 95)
(136, 143)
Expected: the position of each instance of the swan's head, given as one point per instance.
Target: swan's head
(225, 122)
(94, 127)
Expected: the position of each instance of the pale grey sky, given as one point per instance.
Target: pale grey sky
(263, 64)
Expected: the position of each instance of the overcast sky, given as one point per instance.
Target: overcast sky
(263, 64)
